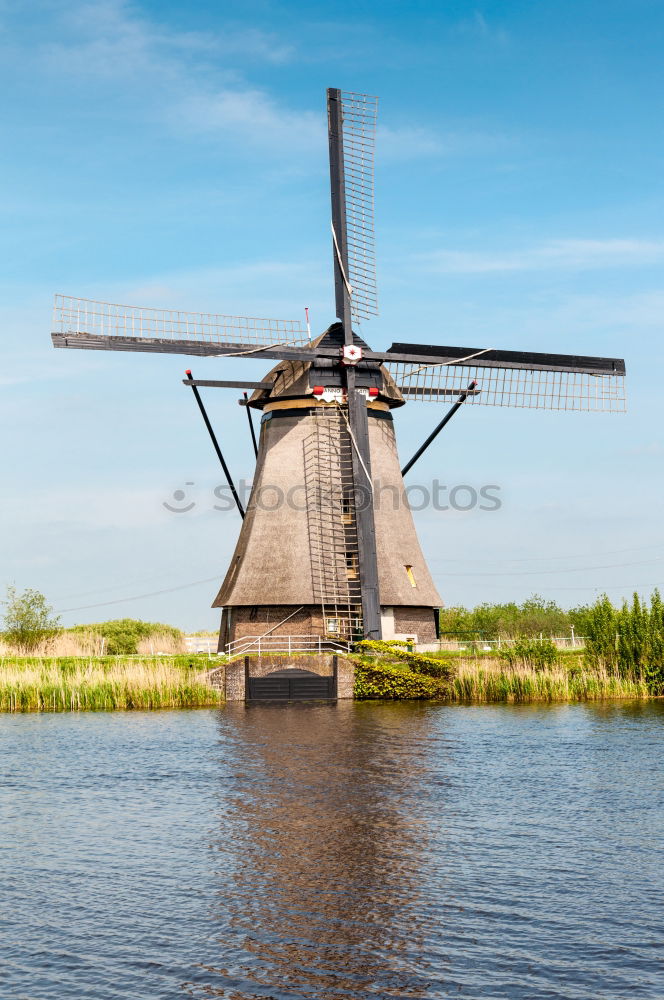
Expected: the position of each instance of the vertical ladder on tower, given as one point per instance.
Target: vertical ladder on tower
(328, 474)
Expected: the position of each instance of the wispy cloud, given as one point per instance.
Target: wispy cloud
(111, 39)
(412, 141)
(261, 121)
(263, 287)
(571, 254)
(195, 83)
(477, 26)
(250, 113)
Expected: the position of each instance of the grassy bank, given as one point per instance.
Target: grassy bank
(491, 681)
(35, 684)
(492, 678)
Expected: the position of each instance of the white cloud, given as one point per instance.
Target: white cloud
(195, 83)
(411, 142)
(261, 121)
(574, 254)
(479, 27)
(638, 311)
(252, 114)
(110, 39)
(266, 288)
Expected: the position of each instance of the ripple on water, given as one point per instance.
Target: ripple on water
(356, 851)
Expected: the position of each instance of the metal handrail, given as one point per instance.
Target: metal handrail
(286, 644)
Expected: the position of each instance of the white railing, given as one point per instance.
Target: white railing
(201, 643)
(487, 645)
(263, 645)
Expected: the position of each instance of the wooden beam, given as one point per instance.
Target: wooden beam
(528, 360)
(215, 384)
(364, 509)
(156, 345)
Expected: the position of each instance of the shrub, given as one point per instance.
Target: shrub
(123, 634)
(417, 662)
(374, 679)
(540, 654)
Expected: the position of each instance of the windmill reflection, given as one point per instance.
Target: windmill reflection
(323, 897)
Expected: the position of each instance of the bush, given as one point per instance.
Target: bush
(374, 679)
(432, 666)
(123, 634)
(540, 654)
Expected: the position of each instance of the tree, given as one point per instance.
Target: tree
(28, 620)
(493, 621)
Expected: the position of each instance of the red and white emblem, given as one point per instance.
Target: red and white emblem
(352, 354)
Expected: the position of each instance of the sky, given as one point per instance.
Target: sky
(174, 155)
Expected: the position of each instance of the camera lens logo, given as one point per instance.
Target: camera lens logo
(180, 496)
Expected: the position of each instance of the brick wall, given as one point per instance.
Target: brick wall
(419, 622)
(251, 622)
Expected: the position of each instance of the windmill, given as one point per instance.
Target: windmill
(338, 563)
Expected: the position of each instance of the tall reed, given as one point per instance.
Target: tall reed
(96, 685)
(79, 643)
(490, 680)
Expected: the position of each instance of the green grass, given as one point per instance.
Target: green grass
(489, 680)
(36, 684)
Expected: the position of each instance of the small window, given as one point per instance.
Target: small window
(351, 565)
(346, 510)
(332, 624)
(410, 575)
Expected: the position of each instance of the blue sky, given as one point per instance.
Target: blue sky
(175, 155)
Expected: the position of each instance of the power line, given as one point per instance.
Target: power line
(148, 578)
(139, 597)
(549, 572)
(600, 588)
(577, 555)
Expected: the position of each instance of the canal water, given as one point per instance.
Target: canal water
(358, 851)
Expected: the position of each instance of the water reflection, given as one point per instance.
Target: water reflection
(346, 853)
(326, 899)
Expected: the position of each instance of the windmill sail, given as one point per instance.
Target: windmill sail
(533, 389)
(359, 113)
(87, 323)
(352, 134)
(428, 372)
